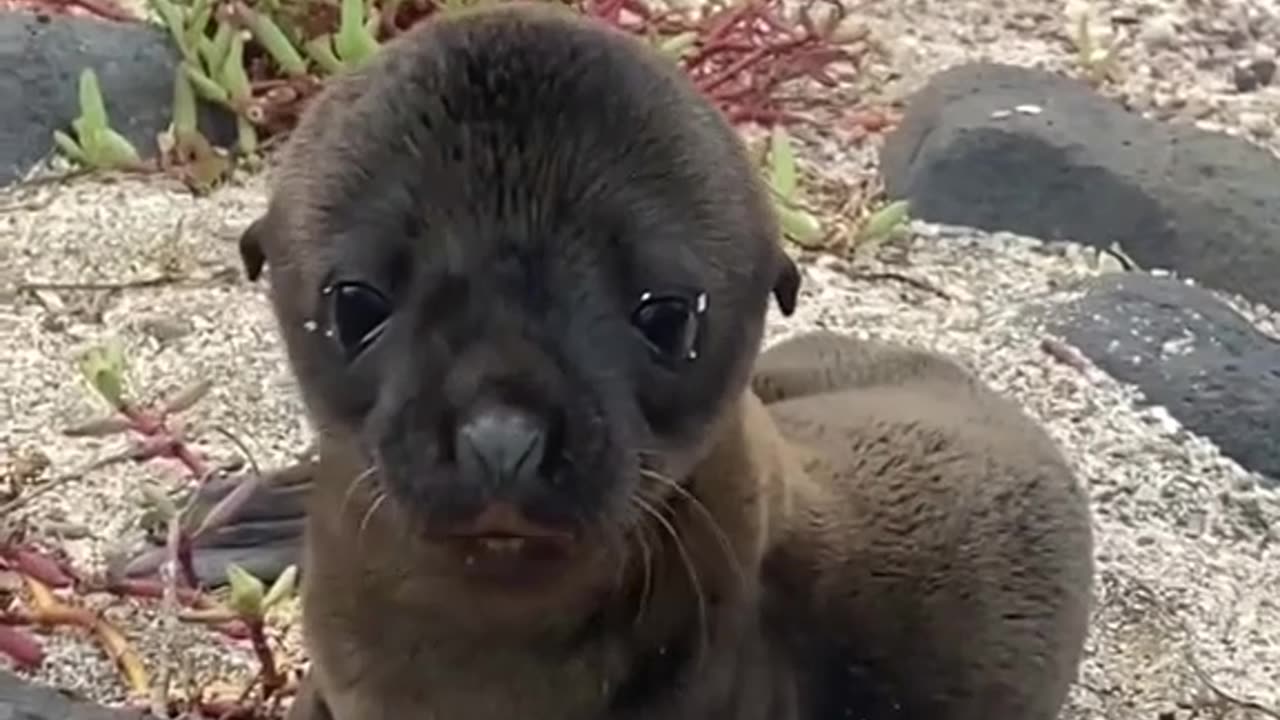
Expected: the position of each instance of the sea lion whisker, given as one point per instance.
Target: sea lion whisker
(708, 518)
(351, 488)
(369, 513)
(646, 559)
(691, 569)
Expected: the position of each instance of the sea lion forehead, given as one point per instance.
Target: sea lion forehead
(523, 128)
(513, 92)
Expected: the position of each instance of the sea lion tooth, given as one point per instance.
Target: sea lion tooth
(508, 545)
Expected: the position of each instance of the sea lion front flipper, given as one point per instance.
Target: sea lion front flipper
(263, 536)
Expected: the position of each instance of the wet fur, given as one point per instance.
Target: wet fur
(887, 538)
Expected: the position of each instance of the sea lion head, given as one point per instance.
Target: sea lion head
(522, 266)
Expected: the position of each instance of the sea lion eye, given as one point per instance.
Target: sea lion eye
(670, 323)
(359, 314)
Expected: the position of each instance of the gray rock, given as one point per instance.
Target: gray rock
(1250, 75)
(1084, 169)
(22, 700)
(1189, 352)
(42, 59)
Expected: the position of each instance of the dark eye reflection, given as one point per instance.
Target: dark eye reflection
(670, 323)
(358, 314)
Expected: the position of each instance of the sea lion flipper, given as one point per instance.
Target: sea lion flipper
(263, 535)
(265, 561)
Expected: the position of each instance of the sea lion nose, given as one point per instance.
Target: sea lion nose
(502, 447)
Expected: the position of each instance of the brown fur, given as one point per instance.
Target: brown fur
(908, 509)
(886, 539)
(942, 529)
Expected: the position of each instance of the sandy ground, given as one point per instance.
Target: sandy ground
(1189, 587)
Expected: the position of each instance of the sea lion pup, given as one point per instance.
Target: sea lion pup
(521, 270)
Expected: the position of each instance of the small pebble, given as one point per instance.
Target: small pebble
(165, 328)
(1160, 33)
(1258, 124)
(1250, 75)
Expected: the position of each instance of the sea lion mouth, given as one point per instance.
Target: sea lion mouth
(505, 524)
(502, 545)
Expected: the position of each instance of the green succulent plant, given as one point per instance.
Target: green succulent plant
(95, 144)
(783, 178)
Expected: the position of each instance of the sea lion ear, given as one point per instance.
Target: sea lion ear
(786, 284)
(251, 254)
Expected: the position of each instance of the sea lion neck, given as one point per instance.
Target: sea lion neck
(736, 495)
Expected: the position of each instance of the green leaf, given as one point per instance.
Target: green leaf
(81, 128)
(367, 46)
(350, 18)
(782, 161)
(217, 54)
(205, 50)
(246, 592)
(184, 103)
(90, 144)
(273, 39)
(195, 31)
(282, 589)
(104, 367)
(353, 42)
(92, 108)
(321, 51)
(233, 77)
(115, 150)
(171, 16)
(200, 14)
(677, 46)
(69, 147)
(799, 225)
(246, 136)
(205, 86)
(885, 221)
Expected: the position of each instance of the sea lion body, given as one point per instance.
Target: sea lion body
(521, 269)
(944, 540)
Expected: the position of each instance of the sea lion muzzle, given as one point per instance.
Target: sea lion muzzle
(508, 459)
(503, 449)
